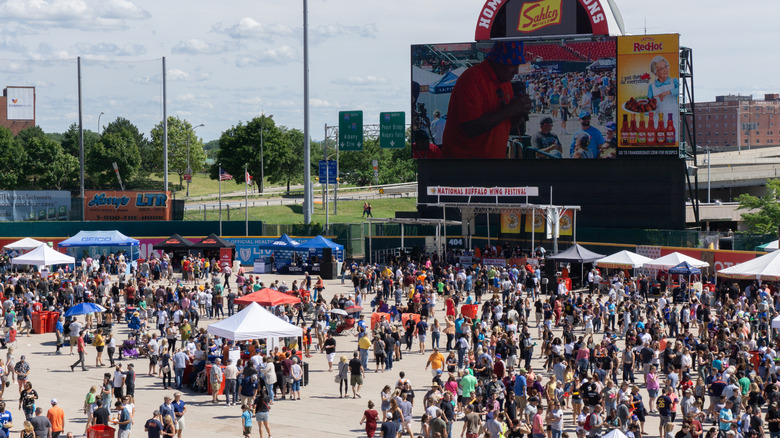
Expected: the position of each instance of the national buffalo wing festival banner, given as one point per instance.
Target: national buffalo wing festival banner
(108, 205)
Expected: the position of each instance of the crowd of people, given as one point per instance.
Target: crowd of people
(506, 357)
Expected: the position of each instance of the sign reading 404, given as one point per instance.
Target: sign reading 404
(351, 130)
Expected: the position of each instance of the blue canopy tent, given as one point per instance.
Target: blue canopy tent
(447, 83)
(284, 250)
(680, 294)
(317, 244)
(97, 243)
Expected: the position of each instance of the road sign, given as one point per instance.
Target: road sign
(392, 130)
(328, 169)
(351, 130)
(187, 177)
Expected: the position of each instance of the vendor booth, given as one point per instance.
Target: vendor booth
(215, 247)
(324, 257)
(96, 243)
(577, 254)
(764, 268)
(22, 246)
(177, 246)
(287, 255)
(43, 256)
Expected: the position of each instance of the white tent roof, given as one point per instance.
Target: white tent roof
(615, 433)
(623, 259)
(24, 244)
(776, 323)
(772, 246)
(43, 256)
(253, 322)
(766, 268)
(674, 259)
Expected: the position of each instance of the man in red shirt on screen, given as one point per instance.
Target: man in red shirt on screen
(483, 106)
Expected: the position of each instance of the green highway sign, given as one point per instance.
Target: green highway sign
(392, 130)
(351, 130)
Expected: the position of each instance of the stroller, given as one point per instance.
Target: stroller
(128, 349)
(606, 111)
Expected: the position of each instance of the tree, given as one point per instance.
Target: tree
(179, 131)
(240, 145)
(70, 140)
(12, 157)
(393, 165)
(763, 215)
(120, 143)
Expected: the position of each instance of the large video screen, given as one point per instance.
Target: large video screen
(468, 100)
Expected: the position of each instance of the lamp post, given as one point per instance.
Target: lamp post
(101, 114)
(189, 171)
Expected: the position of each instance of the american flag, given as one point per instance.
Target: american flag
(223, 175)
(247, 178)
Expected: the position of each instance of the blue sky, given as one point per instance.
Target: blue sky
(229, 61)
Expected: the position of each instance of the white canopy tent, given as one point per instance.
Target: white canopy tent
(25, 244)
(764, 268)
(776, 323)
(672, 260)
(43, 256)
(254, 322)
(615, 433)
(623, 260)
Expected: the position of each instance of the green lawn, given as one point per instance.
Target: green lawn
(349, 212)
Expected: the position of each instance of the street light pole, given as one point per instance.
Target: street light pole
(262, 155)
(189, 170)
(101, 114)
(708, 175)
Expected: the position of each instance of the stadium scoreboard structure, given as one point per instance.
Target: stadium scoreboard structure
(625, 168)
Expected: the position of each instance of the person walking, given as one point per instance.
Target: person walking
(231, 381)
(99, 343)
(81, 351)
(262, 411)
(124, 422)
(357, 374)
(56, 417)
(343, 376)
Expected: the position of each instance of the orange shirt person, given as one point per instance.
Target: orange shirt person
(482, 105)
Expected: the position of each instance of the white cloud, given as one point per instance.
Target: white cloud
(319, 103)
(257, 100)
(123, 9)
(276, 56)
(107, 50)
(80, 14)
(339, 30)
(248, 27)
(361, 80)
(194, 46)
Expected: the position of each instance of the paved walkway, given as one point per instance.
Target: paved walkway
(320, 413)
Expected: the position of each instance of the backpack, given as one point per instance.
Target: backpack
(587, 425)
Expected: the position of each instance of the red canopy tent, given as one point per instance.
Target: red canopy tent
(267, 297)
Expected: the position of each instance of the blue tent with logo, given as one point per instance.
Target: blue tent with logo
(447, 83)
(97, 243)
(317, 244)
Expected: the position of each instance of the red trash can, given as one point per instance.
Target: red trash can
(36, 322)
(469, 310)
(44, 322)
(100, 431)
(53, 318)
(221, 386)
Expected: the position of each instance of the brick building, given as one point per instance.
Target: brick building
(738, 122)
(21, 108)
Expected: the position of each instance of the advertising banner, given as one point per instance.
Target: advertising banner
(247, 248)
(648, 89)
(20, 103)
(510, 223)
(566, 223)
(483, 191)
(34, 205)
(541, 17)
(494, 262)
(538, 222)
(106, 205)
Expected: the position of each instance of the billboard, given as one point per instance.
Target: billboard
(648, 95)
(454, 86)
(115, 205)
(34, 205)
(20, 103)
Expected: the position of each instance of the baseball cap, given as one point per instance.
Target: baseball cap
(507, 53)
(156, 413)
(584, 114)
(54, 401)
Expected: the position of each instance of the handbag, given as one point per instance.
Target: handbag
(336, 379)
(166, 369)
